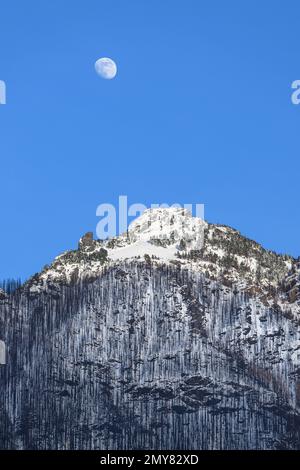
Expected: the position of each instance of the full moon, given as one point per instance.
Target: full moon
(106, 68)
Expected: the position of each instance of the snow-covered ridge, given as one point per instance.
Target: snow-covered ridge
(160, 233)
(173, 235)
(169, 224)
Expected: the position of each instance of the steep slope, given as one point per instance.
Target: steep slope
(138, 349)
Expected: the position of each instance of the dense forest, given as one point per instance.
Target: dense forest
(147, 357)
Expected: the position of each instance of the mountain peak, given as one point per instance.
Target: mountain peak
(174, 236)
(172, 223)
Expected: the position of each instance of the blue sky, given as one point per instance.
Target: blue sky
(200, 112)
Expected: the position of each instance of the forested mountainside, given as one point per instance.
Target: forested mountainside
(176, 335)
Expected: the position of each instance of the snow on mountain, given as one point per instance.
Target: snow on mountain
(178, 334)
(160, 233)
(174, 236)
(172, 224)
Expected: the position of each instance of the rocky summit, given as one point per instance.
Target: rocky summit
(178, 334)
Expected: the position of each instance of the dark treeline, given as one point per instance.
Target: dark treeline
(10, 285)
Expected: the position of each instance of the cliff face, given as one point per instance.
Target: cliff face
(190, 350)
